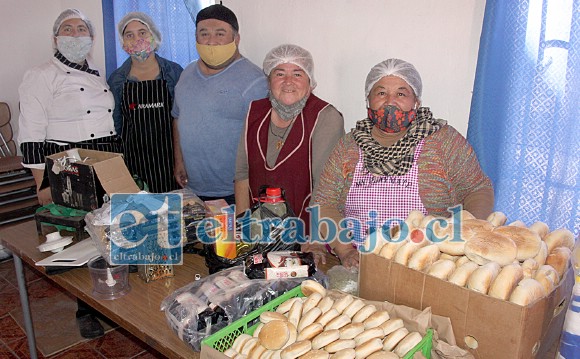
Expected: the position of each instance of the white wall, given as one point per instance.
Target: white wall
(26, 41)
(345, 37)
(348, 37)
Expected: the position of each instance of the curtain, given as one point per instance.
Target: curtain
(174, 18)
(525, 111)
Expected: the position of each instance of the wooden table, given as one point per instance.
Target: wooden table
(138, 311)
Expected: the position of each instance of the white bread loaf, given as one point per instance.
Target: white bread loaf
(529, 267)
(491, 247)
(442, 269)
(540, 258)
(559, 258)
(527, 291)
(407, 250)
(480, 280)
(540, 228)
(527, 241)
(462, 273)
(505, 282)
(424, 257)
(497, 219)
(559, 238)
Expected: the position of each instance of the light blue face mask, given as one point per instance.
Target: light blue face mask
(75, 49)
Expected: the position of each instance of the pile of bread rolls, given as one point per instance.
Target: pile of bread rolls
(318, 327)
(509, 262)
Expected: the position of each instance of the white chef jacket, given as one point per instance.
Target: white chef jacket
(58, 102)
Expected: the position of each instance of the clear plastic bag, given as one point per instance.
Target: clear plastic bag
(343, 279)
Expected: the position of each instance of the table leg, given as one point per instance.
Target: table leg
(25, 306)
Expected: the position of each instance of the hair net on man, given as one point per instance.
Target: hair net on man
(72, 14)
(145, 20)
(290, 54)
(395, 67)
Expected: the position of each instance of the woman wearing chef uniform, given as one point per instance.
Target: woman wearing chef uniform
(65, 102)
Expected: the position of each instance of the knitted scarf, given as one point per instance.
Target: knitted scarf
(397, 159)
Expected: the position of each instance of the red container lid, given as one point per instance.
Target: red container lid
(273, 195)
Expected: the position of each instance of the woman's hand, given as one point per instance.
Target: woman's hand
(44, 196)
(348, 257)
(318, 250)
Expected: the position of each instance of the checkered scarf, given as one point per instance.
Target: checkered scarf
(397, 159)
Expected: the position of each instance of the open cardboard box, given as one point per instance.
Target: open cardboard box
(82, 185)
(501, 329)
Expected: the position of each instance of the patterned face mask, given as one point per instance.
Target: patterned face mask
(392, 119)
(140, 49)
(75, 49)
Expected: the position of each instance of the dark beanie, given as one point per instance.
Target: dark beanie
(218, 12)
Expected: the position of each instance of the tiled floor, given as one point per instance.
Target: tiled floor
(117, 343)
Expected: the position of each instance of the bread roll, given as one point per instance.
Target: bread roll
(274, 335)
(497, 219)
(462, 273)
(257, 352)
(275, 354)
(266, 317)
(559, 238)
(354, 307)
(424, 257)
(339, 345)
(527, 241)
(364, 313)
(389, 249)
(407, 250)
(391, 325)
(325, 338)
(517, 223)
(449, 256)
(373, 243)
(350, 331)
(249, 345)
(540, 258)
(481, 279)
(344, 354)
(383, 355)
(257, 330)
(559, 258)
(295, 313)
(391, 341)
(369, 334)
(311, 301)
(545, 278)
(296, 349)
(540, 228)
(442, 269)
(338, 322)
(461, 261)
(316, 354)
(327, 317)
(506, 280)
(407, 343)
(529, 267)
(230, 352)
(310, 331)
(367, 348)
(239, 342)
(471, 227)
(491, 247)
(309, 318)
(285, 306)
(325, 304)
(376, 319)
(309, 286)
(341, 303)
(414, 219)
(293, 334)
(548, 271)
(527, 291)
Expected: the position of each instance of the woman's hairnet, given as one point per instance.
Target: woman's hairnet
(72, 14)
(290, 54)
(145, 20)
(395, 67)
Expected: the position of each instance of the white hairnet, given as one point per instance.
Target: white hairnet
(72, 14)
(395, 67)
(145, 20)
(290, 54)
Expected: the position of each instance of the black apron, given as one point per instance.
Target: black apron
(147, 133)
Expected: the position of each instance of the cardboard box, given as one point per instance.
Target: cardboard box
(501, 329)
(82, 185)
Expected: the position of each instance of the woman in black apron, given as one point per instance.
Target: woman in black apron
(143, 89)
